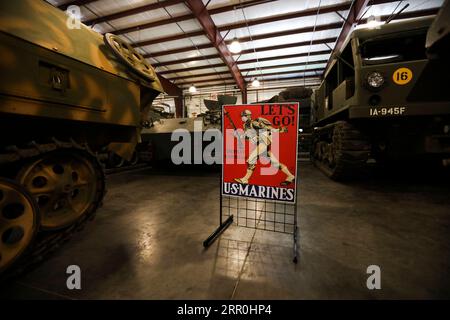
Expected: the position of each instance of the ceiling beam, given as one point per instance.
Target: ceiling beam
(336, 25)
(329, 26)
(200, 75)
(277, 47)
(288, 56)
(277, 58)
(289, 45)
(261, 88)
(270, 74)
(179, 50)
(287, 16)
(169, 38)
(209, 66)
(251, 89)
(356, 11)
(278, 66)
(259, 76)
(238, 6)
(185, 17)
(198, 58)
(217, 84)
(291, 65)
(189, 83)
(281, 87)
(294, 78)
(199, 10)
(78, 3)
(298, 14)
(154, 24)
(130, 12)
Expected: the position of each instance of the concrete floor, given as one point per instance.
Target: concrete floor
(146, 243)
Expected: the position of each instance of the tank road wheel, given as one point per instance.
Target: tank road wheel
(19, 222)
(130, 56)
(66, 186)
(340, 150)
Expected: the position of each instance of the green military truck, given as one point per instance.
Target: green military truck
(382, 98)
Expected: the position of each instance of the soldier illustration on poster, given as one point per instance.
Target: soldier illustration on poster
(263, 162)
(259, 133)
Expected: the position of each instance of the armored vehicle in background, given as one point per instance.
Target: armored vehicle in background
(65, 96)
(143, 152)
(382, 98)
(302, 95)
(158, 136)
(159, 111)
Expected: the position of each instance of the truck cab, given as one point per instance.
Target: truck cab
(384, 86)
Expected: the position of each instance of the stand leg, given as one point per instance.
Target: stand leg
(218, 231)
(295, 260)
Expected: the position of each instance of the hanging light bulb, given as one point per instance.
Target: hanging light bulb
(192, 89)
(373, 22)
(255, 83)
(235, 46)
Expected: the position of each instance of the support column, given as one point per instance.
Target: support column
(210, 29)
(179, 107)
(244, 96)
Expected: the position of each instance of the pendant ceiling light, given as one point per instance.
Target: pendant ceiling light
(235, 46)
(373, 22)
(192, 89)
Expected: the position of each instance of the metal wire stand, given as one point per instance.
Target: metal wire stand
(257, 214)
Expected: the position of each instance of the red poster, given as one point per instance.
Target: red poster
(260, 151)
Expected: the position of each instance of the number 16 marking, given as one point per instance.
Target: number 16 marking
(402, 76)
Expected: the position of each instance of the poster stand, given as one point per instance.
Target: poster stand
(260, 211)
(257, 214)
(222, 225)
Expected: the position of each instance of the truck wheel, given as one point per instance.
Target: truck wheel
(340, 151)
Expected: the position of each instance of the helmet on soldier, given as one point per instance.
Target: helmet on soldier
(246, 115)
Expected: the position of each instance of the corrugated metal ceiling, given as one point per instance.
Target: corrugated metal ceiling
(275, 35)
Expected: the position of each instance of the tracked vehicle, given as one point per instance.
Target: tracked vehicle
(159, 136)
(66, 95)
(383, 99)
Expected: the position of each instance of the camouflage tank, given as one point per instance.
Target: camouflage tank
(65, 95)
(158, 136)
(384, 100)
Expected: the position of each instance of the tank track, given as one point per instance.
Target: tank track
(48, 241)
(340, 150)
